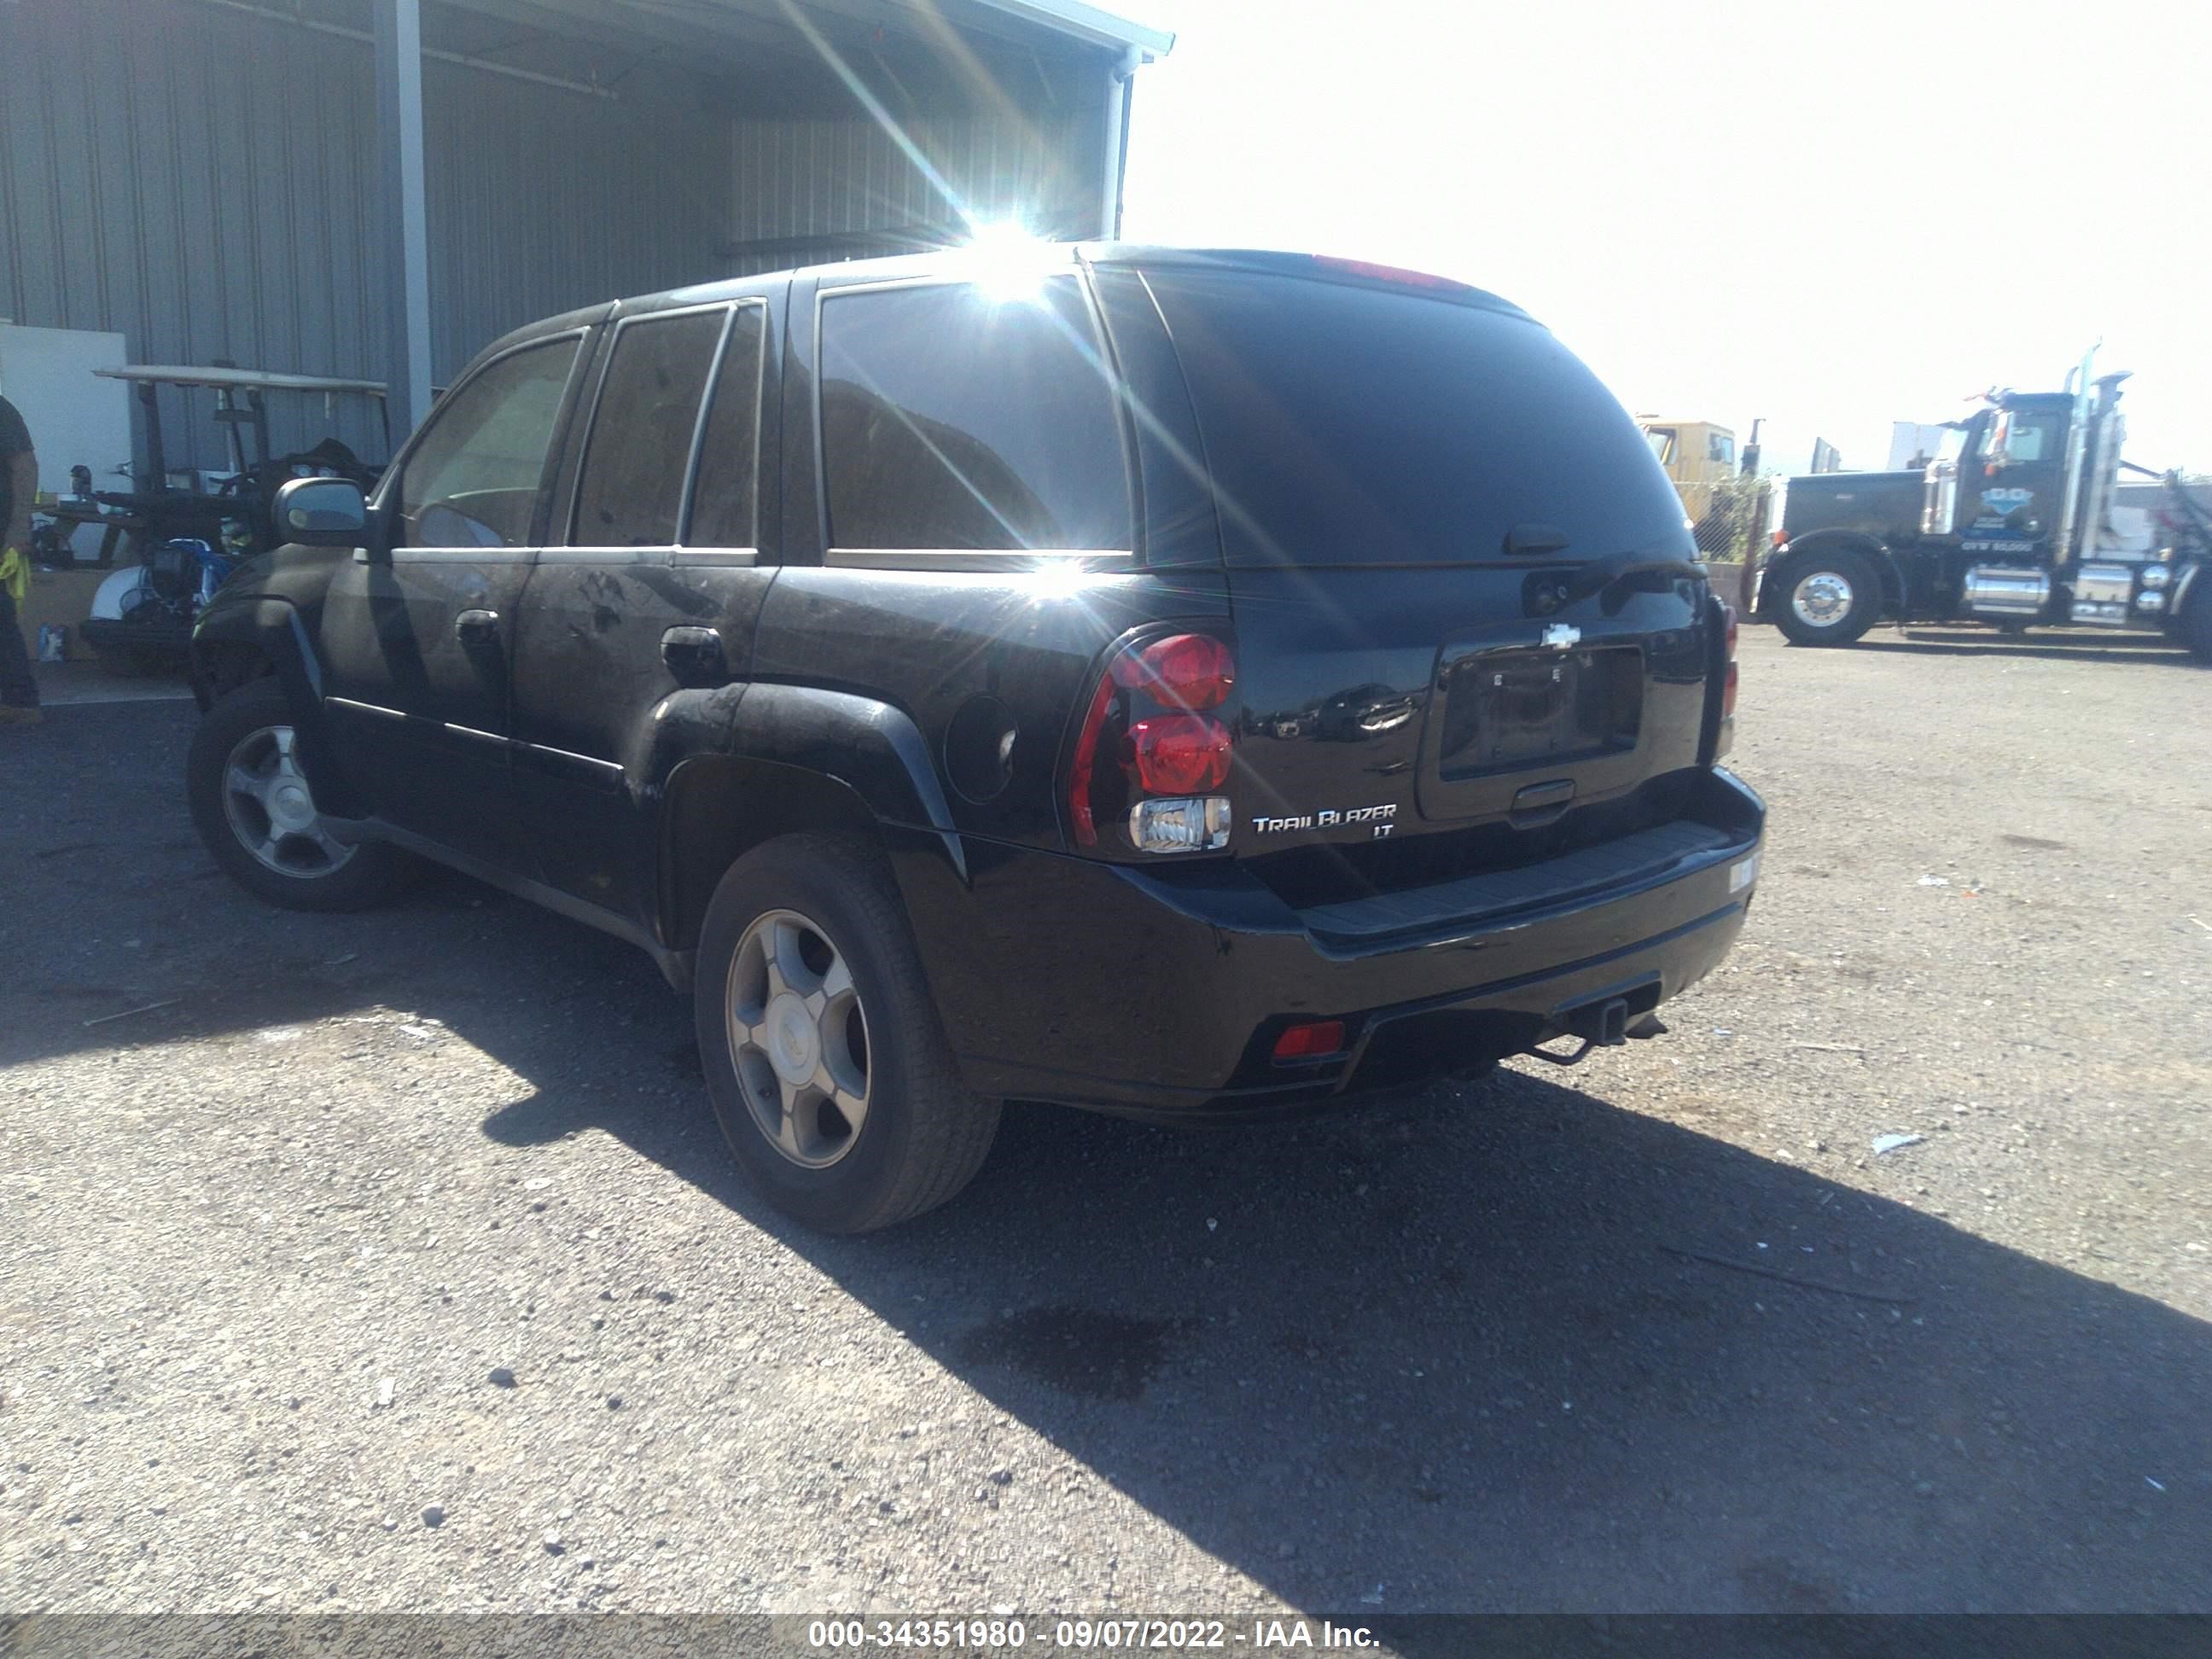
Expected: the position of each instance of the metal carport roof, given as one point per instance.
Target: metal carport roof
(879, 55)
(372, 190)
(1090, 22)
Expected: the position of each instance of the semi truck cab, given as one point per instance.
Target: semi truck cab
(2014, 522)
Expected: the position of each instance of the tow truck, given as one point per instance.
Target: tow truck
(2013, 523)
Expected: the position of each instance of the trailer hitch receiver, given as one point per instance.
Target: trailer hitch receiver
(1601, 1024)
(1605, 1023)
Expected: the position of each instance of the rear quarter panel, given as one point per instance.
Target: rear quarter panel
(931, 643)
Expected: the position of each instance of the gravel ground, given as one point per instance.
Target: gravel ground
(396, 1263)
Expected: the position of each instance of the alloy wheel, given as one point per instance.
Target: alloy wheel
(798, 1038)
(272, 811)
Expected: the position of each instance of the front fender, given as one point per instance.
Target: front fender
(2191, 578)
(242, 635)
(1884, 559)
(271, 629)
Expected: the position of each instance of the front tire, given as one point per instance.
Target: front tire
(1825, 599)
(828, 1070)
(132, 662)
(2197, 621)
(255, 813)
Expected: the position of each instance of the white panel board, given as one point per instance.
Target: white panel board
(74, 416)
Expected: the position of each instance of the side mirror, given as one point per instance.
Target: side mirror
(321, 513)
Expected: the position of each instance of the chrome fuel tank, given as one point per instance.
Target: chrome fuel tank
(2003, 591)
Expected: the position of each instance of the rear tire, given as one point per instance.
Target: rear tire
(1824, 599)
(828, 1066)
(257, 818)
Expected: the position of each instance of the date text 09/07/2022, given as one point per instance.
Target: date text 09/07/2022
(1084, 1634)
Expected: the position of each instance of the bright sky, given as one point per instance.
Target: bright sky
(1833, 216)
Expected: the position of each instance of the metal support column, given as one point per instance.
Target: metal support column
(404, 222)
(1115, 148)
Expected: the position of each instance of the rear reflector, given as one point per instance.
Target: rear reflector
(1311, 1041)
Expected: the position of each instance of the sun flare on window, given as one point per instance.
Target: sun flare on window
(1007, 261)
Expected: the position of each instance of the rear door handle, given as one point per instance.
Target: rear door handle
(694, 657)
(476, 628)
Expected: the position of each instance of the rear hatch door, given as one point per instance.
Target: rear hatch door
(1465, 609)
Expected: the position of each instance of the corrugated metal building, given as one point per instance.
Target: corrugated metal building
(220, 180)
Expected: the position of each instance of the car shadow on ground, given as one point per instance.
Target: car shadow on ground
(1517, 1346)
(1369, 1359)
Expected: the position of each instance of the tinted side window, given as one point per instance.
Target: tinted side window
(953, 418)
(473, 479)
(724, 503)
(632, 486)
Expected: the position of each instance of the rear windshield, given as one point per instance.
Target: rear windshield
(1348, 425)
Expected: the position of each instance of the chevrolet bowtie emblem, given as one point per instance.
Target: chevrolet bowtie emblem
(1559, 636)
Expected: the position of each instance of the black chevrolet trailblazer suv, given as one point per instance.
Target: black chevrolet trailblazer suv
(1175, 684)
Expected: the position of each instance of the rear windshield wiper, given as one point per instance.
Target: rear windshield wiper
(1604, 574)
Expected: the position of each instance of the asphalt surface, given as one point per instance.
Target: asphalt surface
(394, 1261)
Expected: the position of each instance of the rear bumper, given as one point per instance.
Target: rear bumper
(1158, 992)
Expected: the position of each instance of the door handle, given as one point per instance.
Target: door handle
(476, 628)
(694, 656)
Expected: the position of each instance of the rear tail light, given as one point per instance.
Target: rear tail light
(1725, 739)
(1148, 747)
(1183, 671)
(1179, 754)
(1082, 776)
(1728, 685)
